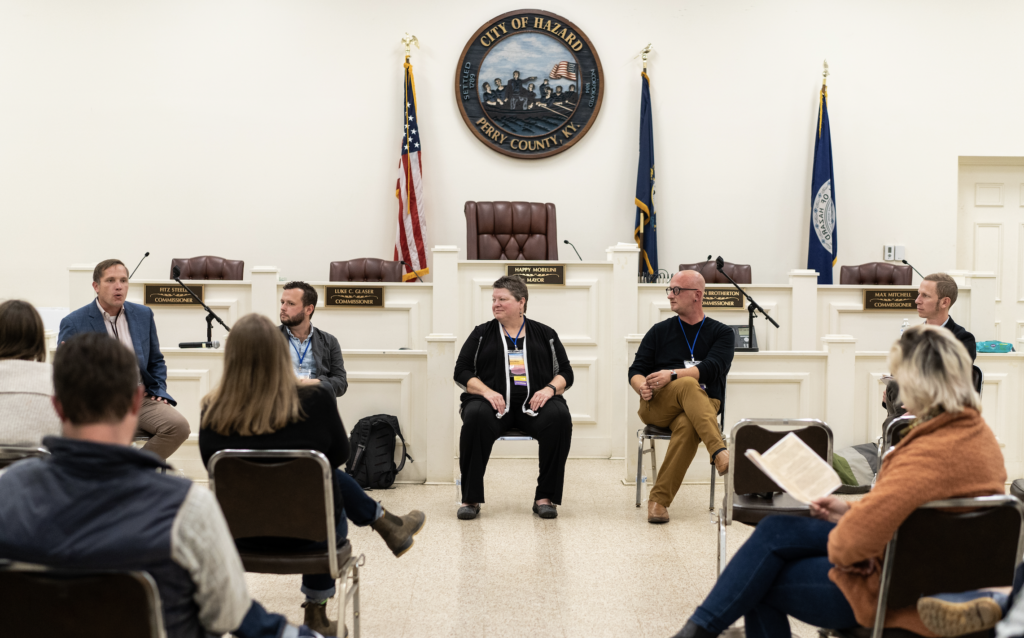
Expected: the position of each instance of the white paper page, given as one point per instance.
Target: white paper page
(797, 469)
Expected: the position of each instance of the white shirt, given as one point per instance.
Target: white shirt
(117, 326)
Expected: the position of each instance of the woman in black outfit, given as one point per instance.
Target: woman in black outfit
(259, 405)
(513, 373)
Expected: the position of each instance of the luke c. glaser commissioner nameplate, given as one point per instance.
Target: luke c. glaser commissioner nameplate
(172, 295)
(891, 299)
(529, 84)
(354, 296)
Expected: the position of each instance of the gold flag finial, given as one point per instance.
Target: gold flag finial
(644, 52)
(824, 74)
(410, 40)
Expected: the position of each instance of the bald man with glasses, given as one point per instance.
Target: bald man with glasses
(679, 372)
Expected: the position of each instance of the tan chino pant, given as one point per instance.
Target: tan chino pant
(166, 425)
(685, 409)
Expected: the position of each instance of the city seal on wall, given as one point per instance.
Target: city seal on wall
(529, 84)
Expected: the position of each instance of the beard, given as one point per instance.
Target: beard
(291, 322)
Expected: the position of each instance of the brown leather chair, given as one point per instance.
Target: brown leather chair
(209, 267)
(511, 230)
(366, 269)
(875, 273)
(740, 273)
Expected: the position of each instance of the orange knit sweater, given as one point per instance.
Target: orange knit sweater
(949, 456)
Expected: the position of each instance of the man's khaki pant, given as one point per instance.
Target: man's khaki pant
(166, 425)
(686, 410)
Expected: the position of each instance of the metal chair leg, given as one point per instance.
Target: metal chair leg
(639, 467)
(721, 542)
(350, 590)
(654, 463)
(711, 504)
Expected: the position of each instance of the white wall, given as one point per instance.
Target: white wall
(269, 130)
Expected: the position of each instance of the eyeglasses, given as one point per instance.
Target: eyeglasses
(675, 290)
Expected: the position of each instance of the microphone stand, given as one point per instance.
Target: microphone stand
(753, 309)
(210, 315)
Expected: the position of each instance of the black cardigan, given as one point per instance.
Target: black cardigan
(483, 357)
(320, 430)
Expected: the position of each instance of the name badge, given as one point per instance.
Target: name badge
(517, 367)
(689, 364)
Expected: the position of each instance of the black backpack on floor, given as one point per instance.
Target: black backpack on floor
(372, 459)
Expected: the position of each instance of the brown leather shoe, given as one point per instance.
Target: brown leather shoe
(722, 462)
(656, 513)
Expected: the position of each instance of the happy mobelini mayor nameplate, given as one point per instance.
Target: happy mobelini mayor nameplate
(529, 84)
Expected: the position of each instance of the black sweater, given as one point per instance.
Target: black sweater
(320, 430)
(483, 357)
(665, 348)
(965, 338)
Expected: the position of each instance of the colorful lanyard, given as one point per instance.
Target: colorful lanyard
(302, 356)
(515, 340)
(695, 336)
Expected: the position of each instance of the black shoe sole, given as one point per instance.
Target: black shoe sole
(468, 513)
(552, 513)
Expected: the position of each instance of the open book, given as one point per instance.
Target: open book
(797, 469)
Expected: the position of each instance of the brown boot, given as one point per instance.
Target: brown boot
(656, 513)
(397, 532)
(722, 462)
(316, 618)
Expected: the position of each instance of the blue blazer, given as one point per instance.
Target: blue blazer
(147, 347)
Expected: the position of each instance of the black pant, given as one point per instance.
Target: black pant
(552, 429)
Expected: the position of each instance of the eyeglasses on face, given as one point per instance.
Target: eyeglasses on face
(675, 290)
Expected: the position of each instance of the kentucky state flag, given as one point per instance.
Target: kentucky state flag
(823, 246)
(645, 229)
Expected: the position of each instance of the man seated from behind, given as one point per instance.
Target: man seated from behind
(316, 355)
(679, 372)
(98, 503)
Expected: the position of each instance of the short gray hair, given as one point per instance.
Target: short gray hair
(515, 285)
(934, 372)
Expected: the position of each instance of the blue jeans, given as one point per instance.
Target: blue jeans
(351, 502)
(781, 570)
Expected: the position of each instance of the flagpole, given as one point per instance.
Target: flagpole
(641, 271)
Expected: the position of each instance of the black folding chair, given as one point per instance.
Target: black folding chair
(750, 496)
(947, 550)
(979, 378)
(286, 494)
(652, 433)
(44, 602)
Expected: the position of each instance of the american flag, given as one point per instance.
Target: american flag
(411, 240)
(564, 70)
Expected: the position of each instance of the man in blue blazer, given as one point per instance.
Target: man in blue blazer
(132, 324)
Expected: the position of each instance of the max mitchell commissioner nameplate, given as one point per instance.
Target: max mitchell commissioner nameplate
(529, 84)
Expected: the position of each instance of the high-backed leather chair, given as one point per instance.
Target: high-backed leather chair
(511, 230)
(366, 269)
(740, 273)
(875, 273)
(209, 267)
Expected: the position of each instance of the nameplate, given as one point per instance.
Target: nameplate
(891, 299)
(715, 298)
(354, 296)
(539, 275)
(172, 295)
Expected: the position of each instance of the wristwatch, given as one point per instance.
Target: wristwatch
(674, 375)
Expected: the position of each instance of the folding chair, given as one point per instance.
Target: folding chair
(10, 454)
(979, 379)
(746, 485)
(652, 434)
(947, 552)
(53, 603)
(290, 494)
(512, 434)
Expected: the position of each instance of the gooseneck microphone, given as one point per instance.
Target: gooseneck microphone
(139, 264)
(912, 267)
(413, 272)
(573, 248)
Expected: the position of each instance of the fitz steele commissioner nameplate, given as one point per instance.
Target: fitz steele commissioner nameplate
(529, 84)
(171, 295)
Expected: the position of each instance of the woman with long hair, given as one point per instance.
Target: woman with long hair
(26, 380)
(825, 570)
(260, 405)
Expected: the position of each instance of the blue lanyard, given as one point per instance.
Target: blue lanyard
(515, 341)
(694, 338)
(302, 356)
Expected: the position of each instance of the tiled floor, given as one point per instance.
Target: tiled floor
(599, 569)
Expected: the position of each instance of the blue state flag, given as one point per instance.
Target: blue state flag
(645, 228)
(823, 246)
